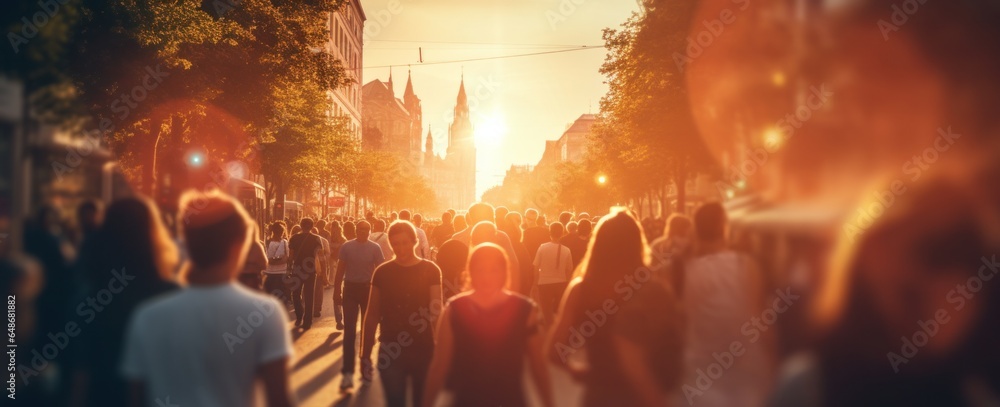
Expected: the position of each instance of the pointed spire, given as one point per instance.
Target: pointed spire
(462, 99)
(409, 83)
(391, 89)
(409, 97)
(429, 146)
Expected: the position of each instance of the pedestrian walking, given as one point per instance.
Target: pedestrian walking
(337, 240)
(358, 259)
(577, 240)
(305, 250)
(443, 232)
(404, 303)
(723, 287)
(554, 264)
(618, 253)
(277, 264)
(380, 237)
(485, 335)
(187, 348)
(132, 252)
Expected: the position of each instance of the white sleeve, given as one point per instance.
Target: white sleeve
(275, 341)
(424, 244)
(133, 366)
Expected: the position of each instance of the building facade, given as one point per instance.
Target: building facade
(347, 27)
(390, 123)
(396, 125)
(573, 142)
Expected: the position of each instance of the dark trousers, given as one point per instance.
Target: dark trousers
(355, 303)
(303, 290)
(250, 280)
(318, 295)
(274, 284)
(413, 364)
(549, 296)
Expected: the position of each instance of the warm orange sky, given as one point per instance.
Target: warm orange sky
(521, 101)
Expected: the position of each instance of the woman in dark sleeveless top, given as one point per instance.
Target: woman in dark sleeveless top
(484, 337)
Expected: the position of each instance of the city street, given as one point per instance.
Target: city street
(729, 203)
(316, 369)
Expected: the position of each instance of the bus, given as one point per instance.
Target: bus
(253, 198)
(293, 211)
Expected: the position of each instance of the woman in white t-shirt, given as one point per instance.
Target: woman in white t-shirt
(554, 264)
(277, 262)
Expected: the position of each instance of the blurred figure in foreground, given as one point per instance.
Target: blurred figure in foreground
(45, 240)
(89, 216)
(133, 260)
(909, 311)
(484, 337)
(669, 250)
(632, 356)
(723, 298)
(192, 347)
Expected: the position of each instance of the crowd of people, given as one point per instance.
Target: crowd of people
(461, 308)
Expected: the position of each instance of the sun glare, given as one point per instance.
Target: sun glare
(490, 130)
(773, 138)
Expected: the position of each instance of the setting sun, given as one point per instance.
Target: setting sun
(490, 130)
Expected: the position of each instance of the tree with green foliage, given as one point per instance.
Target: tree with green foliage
(247, 82)
(645, 138)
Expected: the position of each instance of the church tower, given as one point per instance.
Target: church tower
(429, 148)
(462, 151)
(412, 104)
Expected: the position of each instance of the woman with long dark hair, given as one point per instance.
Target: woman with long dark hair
(134, 261)
(632, 354)
(484, 336)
